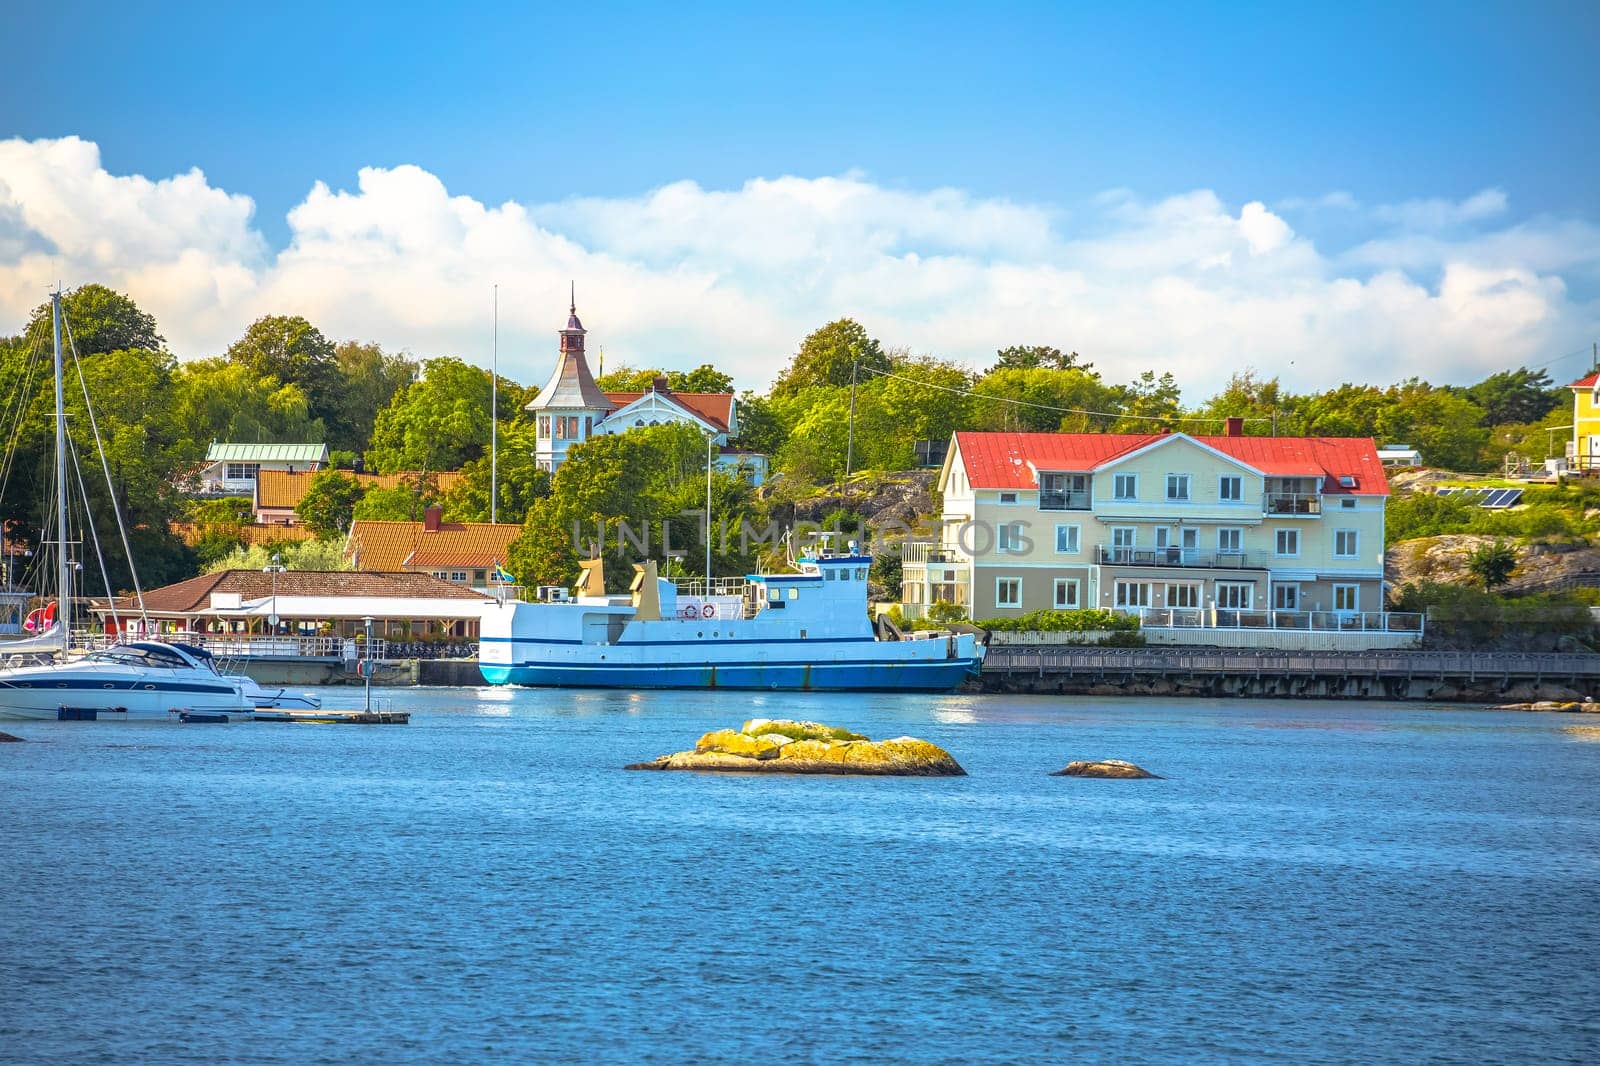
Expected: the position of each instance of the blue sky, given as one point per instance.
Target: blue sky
(1306, 110)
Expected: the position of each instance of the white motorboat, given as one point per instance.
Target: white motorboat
(275, 698)
(141, 681)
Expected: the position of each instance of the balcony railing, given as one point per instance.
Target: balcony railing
(1280, 503)
(1305, 621)
(1063, 501)
(918, 552)
(1110, 556)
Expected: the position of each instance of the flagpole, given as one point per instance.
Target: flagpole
(494, 418)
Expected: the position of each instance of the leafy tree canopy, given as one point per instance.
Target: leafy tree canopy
(439, 422)
(1036, 356)
(295, 352)
(1046, 400)
(827, 356)
(329, 503)
(1516, 396)
(703, 378)
(369, 379)
(101, 320)
(218, 400)
(520, 481)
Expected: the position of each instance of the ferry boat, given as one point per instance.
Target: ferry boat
(798, 631)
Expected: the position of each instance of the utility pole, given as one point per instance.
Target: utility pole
(709, 440)
(494, 417)
(850, 439)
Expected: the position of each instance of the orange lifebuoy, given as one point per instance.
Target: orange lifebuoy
(708, 611)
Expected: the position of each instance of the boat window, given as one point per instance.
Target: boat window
(794, 593)
(774, 594)
(861, 573)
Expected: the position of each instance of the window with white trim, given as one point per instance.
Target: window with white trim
(1178, 487)
(1066, 594)
(1286, 596)
(1067, 539)
(1008, 497)
(1235, 595)
(242, 471)
(458, 576)
(1347, 597)
(1123, 539)
(1288, 542)
(1125, 487)
(1348, 504)
(1008, 592)
(1183, 595)
(1346, 543)
(1230, 488)
(1132, 594)
(1008, 538)
(1230, 541)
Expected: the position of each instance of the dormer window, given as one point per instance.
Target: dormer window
(1347, 481)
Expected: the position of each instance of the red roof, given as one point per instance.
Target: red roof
(713, 407)
(390, 545)
(1009, 460)
(1587, 381)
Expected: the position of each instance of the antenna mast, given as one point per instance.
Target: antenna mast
(63, 570)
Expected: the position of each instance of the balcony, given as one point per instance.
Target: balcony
(1190, 557)
(1063, 501)
(1293, 503)
(919, 553)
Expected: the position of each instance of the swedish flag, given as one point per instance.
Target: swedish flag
(504, 576)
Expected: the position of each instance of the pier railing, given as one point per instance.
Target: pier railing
(1303, 621)
(1180, 662)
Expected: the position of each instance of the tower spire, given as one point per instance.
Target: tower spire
(572, 305)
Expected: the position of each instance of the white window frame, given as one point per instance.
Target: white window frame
(1133, 540)
(1242, 591)
(1187, 590)
(1348, 504)
(1230, 533)
(1354, 536)
(1225, 482)
(1015, 583)
(1278, 542)
(1354, 592)
(1180, 483)
(1125, 486)
(1069, 539)
(1286, 591)
(1121, 597)
(1008, 538)
(1066, 603)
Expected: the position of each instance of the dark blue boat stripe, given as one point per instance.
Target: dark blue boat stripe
(138, 686)
(679, 643)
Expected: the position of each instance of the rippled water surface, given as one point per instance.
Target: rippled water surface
(1311, 881)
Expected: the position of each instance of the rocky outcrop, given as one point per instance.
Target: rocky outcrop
(1571, 707)
(783, 746)
(1542, 566)
(1104, 768)
(7, 738)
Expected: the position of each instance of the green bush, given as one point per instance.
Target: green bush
(1461, 617)
(1090, 619)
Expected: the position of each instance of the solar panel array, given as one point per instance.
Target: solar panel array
(1495, 499)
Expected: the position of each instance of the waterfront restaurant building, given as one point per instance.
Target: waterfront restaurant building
(308, 603)
(1151, 522)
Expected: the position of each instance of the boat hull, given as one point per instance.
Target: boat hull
(39, 694)
(883, 676)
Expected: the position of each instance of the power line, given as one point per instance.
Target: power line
(1059, 410)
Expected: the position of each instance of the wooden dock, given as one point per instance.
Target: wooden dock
(335, 717)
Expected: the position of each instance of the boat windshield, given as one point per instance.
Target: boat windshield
(150, 655)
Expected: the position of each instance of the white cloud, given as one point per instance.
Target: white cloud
(682, 274)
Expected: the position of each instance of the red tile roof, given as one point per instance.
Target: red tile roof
(713, 407)
(281, 489)
(1587, 381)
(378, 545)
(1008, 460)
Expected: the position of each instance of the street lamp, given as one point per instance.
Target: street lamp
(367, 624)
(275, 569)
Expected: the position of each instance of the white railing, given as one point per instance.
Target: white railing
(248, 645)
(719, 586)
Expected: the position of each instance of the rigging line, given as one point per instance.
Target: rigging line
(116, 509)
(1062, 410)
(23, 395)
(94, 535)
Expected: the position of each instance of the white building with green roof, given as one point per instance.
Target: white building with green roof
(233, 468)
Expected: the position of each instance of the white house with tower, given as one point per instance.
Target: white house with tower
(571, 408)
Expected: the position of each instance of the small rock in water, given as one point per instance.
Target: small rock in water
(781, 746)
(1104, 768)
(7, 738)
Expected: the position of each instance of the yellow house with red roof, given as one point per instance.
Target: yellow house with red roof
(1584, 454)
(462, 553)
(1264, 530)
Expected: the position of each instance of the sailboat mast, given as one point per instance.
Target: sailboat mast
(494, 417)
(63, 570)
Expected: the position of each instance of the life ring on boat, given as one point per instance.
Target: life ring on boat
(688, 612)
(708, 611)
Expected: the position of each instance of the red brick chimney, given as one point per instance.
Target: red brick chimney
(1235, 427)
(659, 384)
(430, 518)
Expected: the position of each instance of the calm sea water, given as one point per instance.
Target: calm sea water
(1312, 882)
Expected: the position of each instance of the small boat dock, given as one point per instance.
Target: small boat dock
(372, 717)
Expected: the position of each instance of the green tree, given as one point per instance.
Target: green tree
(404, 502)
(520, 481)
(217, 400)
(329, 503)
(295, 352)
(437, 423)
(1036, 356)
(703, 378)
(827, 356)
(1492, 564)
(543, 554)
(1264, 405)
(100, 320)
(1148, 403)
(369, 378)
(1516, 396)
(305, 555)
(1042, 401)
